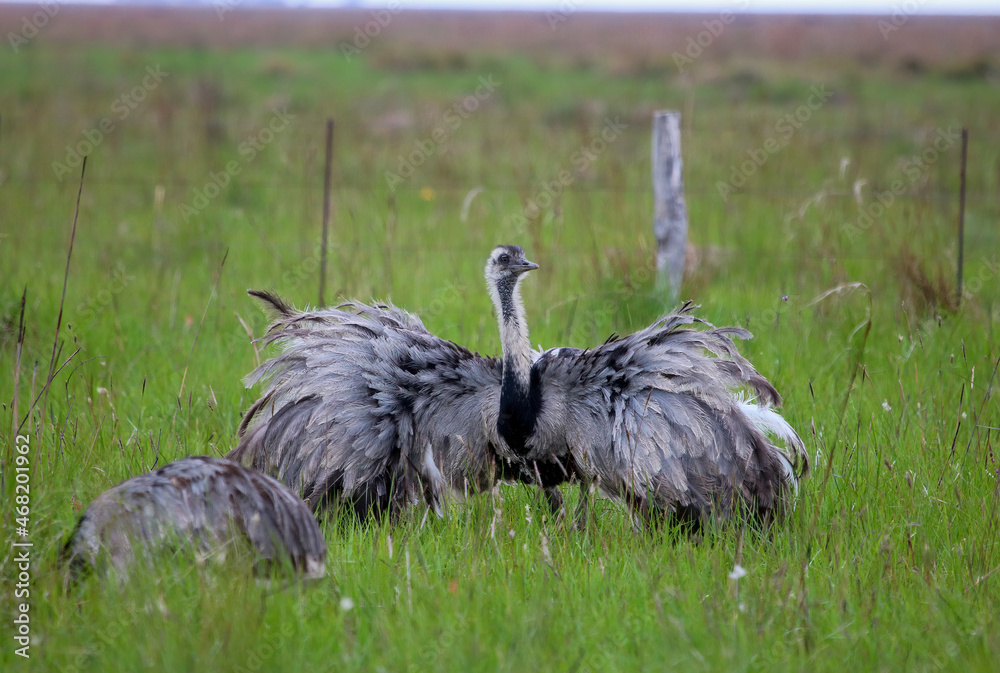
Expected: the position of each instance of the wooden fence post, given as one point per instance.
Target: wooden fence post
(961, 213)
(670, 221)
(327, 178)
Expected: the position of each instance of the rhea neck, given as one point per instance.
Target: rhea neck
(520, 396)
(514, 342)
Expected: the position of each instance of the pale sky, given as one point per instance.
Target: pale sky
(881, 7)
(885, 7)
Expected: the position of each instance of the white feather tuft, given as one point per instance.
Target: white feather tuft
(772, 423)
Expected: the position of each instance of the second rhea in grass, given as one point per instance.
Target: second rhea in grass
(206, 505)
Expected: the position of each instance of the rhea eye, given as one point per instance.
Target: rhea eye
(504, 258)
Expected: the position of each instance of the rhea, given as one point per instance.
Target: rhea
(211, 506)
(365, 408)
(672, 420)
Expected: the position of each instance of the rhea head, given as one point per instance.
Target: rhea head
(504, 269)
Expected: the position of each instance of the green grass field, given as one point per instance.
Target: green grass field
(891, 559)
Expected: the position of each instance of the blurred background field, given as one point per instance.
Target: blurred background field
(890, 560)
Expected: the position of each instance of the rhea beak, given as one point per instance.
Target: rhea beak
(525, 266)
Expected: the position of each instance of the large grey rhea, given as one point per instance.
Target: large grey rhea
(367, 409)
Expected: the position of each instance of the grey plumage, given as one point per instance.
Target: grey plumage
(365, 407)
(208, 503)
(671, 420)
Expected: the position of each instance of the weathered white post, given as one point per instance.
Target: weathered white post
(670, 221)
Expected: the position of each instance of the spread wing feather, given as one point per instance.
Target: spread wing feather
(656, 419)
(365, 405)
